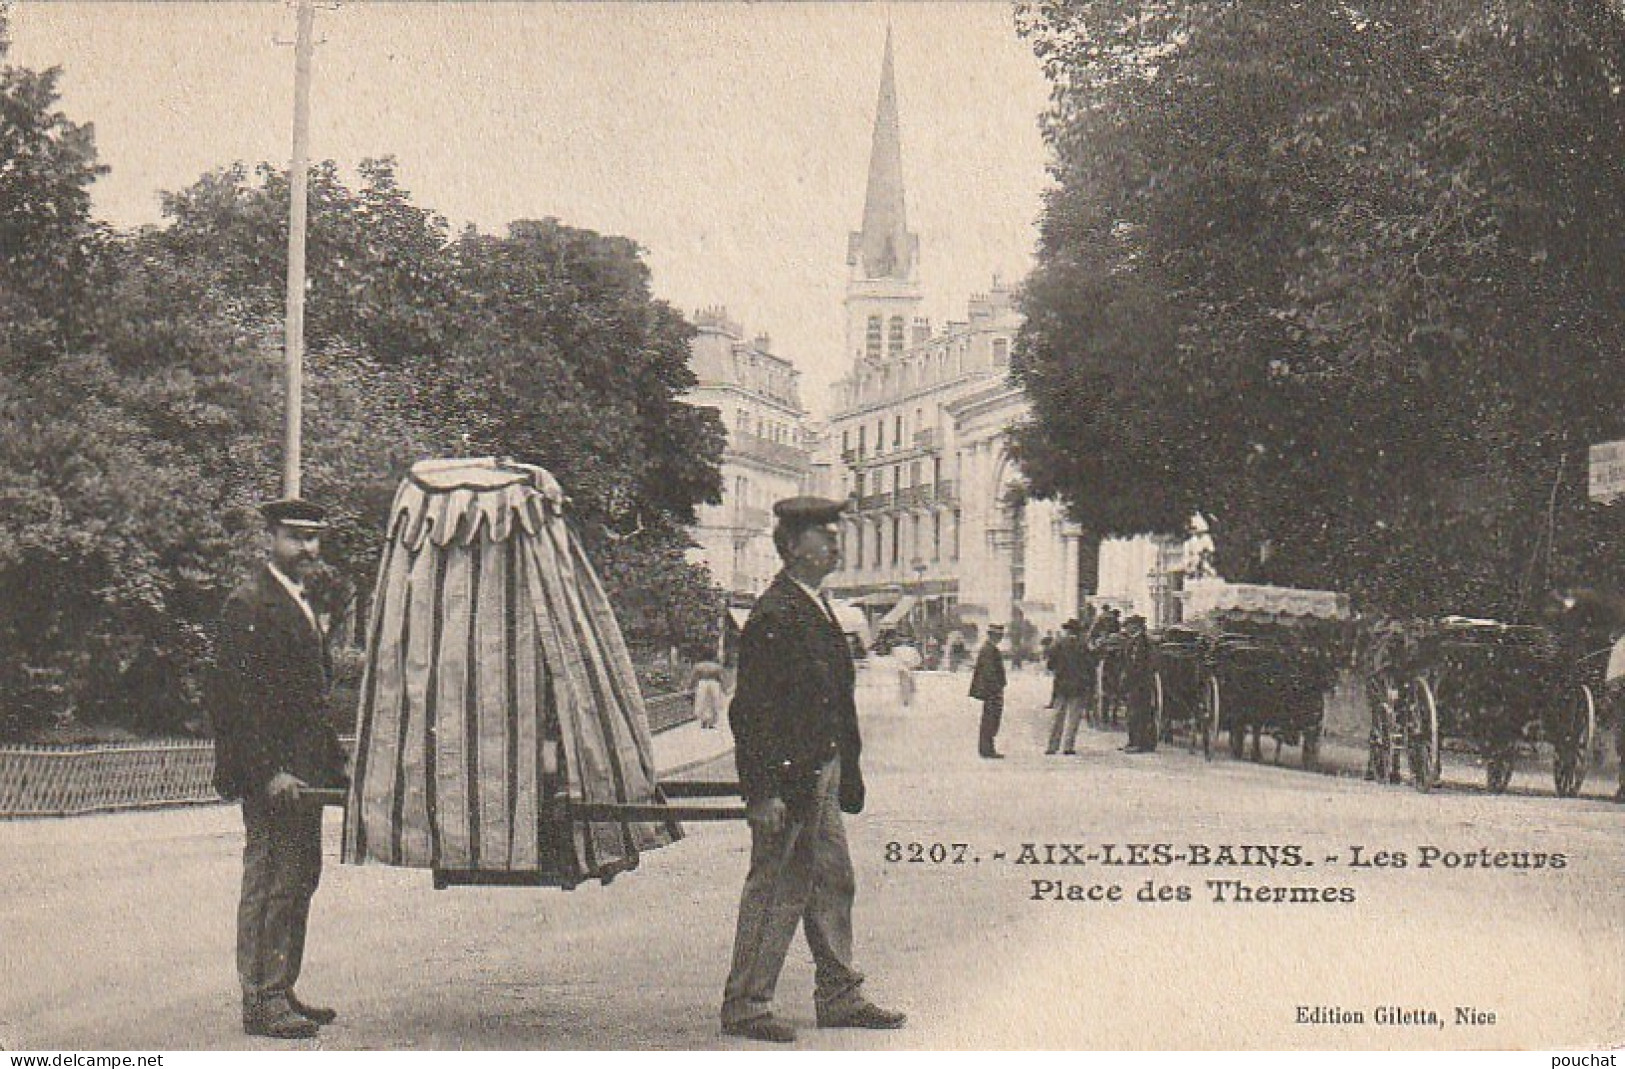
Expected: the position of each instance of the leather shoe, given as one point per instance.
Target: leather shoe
(766, 1029)
(284, 1025)
(319, 1014)
(861, 1015)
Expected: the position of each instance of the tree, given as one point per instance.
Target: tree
(1339, 277)
(47, 242)
(559, 323)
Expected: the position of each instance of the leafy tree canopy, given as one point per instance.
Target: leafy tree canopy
(141, 390)
(1345, 278)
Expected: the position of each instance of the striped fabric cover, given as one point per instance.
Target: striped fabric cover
(497, 686)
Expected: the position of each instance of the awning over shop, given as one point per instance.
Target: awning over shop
(876, 599)
(851, 620)
(900, 611)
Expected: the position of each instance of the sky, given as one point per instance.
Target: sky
(730, 140)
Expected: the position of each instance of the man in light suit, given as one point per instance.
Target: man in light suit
(796, 745)
(269, 694)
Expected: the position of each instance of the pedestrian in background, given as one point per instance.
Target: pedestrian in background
(796, 746)
(1046, 650)
(1139, 686)
(269, 695)
(706, 681)
(908, 662)
(987, 684)
(1069, 660)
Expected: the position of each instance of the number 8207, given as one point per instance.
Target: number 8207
(928, 853)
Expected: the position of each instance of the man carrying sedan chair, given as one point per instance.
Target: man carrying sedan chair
(795, 727)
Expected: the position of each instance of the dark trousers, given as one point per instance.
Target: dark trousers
(282, 864)
(800, 877)
(992, 716)
(1142, 723)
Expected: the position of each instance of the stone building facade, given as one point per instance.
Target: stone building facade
(939, 538)
(758, 398)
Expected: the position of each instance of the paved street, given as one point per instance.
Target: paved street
(116, 931)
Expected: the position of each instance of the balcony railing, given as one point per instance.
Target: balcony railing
(909, 497)
(751, 447)
(914, 496)
(925, 438)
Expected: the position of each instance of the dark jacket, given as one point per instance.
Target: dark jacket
(987, 681)
(1074, 667)
(268, 693)
(792, 707)
(1139, 667)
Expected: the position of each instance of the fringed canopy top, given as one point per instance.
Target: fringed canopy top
(465, 499)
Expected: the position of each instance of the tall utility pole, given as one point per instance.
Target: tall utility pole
(298, 179)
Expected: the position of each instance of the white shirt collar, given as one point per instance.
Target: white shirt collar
(817, 596)
(296, 588)
(298, 592)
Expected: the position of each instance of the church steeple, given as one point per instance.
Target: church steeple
(885, 248)
(883, 259)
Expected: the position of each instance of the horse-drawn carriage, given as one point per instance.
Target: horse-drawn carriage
(1498, 687)
(1256, 658)
(1183, 662)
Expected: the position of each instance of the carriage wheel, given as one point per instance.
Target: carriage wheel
(1097, 715)
(1158, 713)
(1422, 736)
(1209, 714)
(1569, 764)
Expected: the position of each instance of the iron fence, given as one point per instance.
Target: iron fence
(65, 781)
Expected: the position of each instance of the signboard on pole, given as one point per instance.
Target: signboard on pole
(1607, 471)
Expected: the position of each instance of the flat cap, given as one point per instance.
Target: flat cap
(294, 512)
(807, 511)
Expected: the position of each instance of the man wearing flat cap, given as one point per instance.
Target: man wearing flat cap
(796, 745)
(268, 701)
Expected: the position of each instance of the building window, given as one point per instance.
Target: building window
(1001, 351)
(936, 535)
(897, 432)
(894, 336)
(896, 477)
(871, 342)
(880, 435)
(846, 443)
(914, 473)
(954, 551)
(896, 532)
(936, 473)
(880, 543)
(863, 441)
(857, 485)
